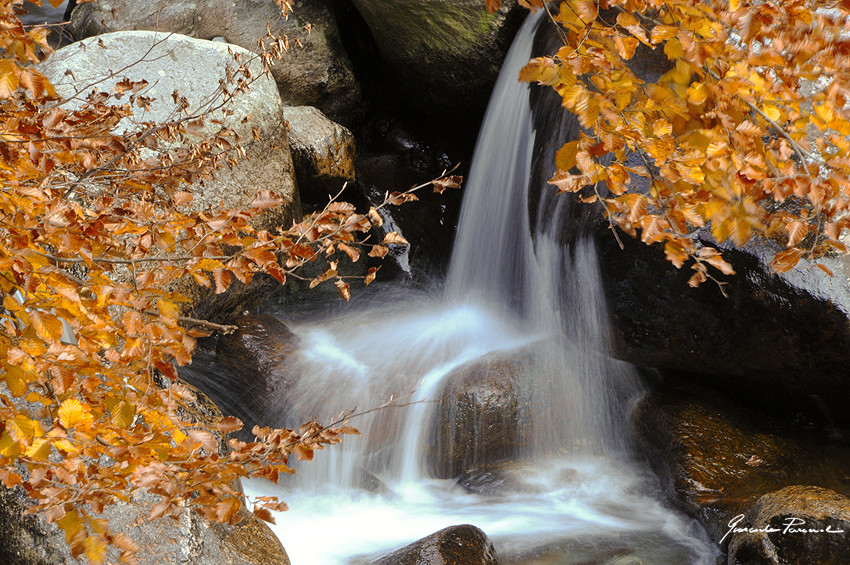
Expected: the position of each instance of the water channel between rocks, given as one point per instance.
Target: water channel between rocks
(572, 490)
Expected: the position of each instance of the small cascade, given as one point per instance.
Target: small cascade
(397, 354)
(513, 286)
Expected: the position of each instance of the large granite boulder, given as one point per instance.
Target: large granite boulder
(315, 71)
(797, 524)
(717, 458)
(194, 67)
(455, 545)
(443, 55)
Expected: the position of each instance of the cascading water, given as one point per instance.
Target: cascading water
(575, 495)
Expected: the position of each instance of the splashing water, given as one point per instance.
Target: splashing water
(575, 494)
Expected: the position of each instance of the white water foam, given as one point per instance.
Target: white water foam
(577, 496)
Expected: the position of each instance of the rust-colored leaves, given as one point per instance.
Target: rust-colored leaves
(745, 134)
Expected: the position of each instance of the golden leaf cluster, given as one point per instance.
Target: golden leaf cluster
(745, 133)
(96, 224)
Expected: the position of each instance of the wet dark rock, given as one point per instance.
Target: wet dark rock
(246, 375)
(259, 345)
(47, 15)
(777, 342)
(443, 57)
(811, 526)
(455, 545)
(429, 224)
(717, 458)
(479, 420)
(500, 478)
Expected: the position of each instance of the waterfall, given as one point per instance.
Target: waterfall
(524, 270)
(513, 289)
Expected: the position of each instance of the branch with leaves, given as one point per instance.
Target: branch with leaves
(97, 225)
(746, 134)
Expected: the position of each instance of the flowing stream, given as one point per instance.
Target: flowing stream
(575, 492)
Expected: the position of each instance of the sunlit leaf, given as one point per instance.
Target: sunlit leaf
(541, 70)
(786, 260)
(123, 414)
(394, 238)
(230, 424)
(71, 413)
(343, 288)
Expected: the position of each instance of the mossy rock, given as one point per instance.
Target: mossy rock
(443, 55)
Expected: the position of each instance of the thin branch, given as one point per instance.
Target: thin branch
(223, 328)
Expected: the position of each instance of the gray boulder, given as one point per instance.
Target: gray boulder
(194, 67)
(314, 71)
(323, 152)
(443, 55)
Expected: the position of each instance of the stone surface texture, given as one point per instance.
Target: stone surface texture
(443, 56)
(808, 525)
(455, 545)
(193, 67)
(479, 420)
(314, 71)
(323, 152)
(717, 458)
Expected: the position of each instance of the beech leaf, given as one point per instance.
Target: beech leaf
(394, 238)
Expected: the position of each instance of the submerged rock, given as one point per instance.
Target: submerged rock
(315, 71)
(503, 477)
(718, 458)
(798, 524)
(455, 545)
